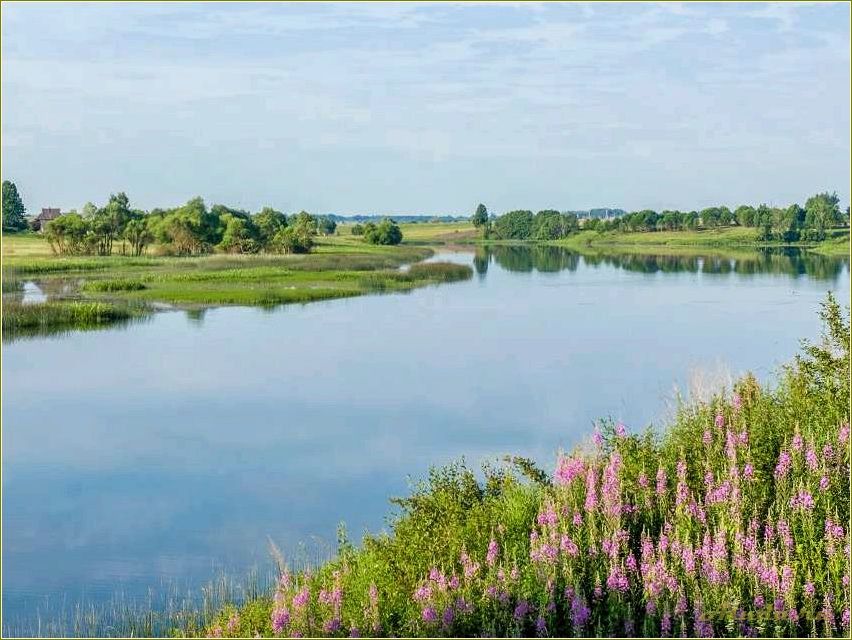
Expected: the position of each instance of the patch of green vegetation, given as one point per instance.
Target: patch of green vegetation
(121, 284)
(48, 317)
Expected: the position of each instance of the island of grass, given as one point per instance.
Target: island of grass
(89, 291)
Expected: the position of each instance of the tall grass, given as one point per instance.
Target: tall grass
(732, 521)
(25, 319)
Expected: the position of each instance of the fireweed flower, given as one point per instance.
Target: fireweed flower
(301, 599)
(719, 421)
(233, 622)
(707, 438)
(598, 438)
(748, 471)
(661, 481)
(811, 459)
(809, 589)
(521, 610)
(737, 402)
(783, 466)
(798, 442)
(643, 480)
(843, 434)
(567, 469)
(823, 484)
(280, 619)
(802, 500)
(429, 615)
(620, 430)
(591, 489)
(578, 519)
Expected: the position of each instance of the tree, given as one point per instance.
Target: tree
(138, 234)
(480, 217)
(821, 212)
(745, 216)
(326, 225)
(514, 225)
(13, 208)
(269, 222)
(298, 237)
(357, 230)
(387, 232)
(69, 234)
(240, 234)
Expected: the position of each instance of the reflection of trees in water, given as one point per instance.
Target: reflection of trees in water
(792, 262)
(540, 258)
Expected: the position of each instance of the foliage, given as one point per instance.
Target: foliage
(387, 232)
(514, 225)
(480, 217)
(13, 208)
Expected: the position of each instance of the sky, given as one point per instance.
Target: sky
(426, 108)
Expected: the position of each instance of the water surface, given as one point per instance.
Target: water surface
(165, 451)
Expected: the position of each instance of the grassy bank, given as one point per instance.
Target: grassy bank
(730, 521)
(339, 267)
(684, 241)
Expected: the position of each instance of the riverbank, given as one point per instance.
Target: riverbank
(118, 287)
(731, 521)
(735, 238)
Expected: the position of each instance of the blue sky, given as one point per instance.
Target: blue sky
(426, 108)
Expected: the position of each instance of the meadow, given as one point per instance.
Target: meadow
(732, 520)
(94, 290)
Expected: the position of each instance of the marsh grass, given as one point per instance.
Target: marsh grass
(56, 316)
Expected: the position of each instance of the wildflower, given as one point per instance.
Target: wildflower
(759, 601)
(429, 615)
(521, 610)
(354, 632)
(423, 593)
(680, 605)
(737, 402)
(469, 567)
(591, 489)
(661, 481)
(331, 626)
(643, 480)
(748, 471)
(301, 599)
(793, 615)
(843, 434)
(567, 469)
(578, 519)
(666, 625)
(827, 614)
(802, 500)
(811, 459)
(447, 618)
(216, 632)
(720, 421)
(844, 618)
(823, 484)
(617, 580)
(280, 619)
(828, 453)
(809, 589)
(798, 442)
(598, 438)
(540, 626)
(453, 582)
(707, 438)
(580, 612)
(233, 623)
(783, 466)
(620, 430)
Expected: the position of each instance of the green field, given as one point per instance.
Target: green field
(727, 238)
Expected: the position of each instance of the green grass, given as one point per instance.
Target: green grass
(48, 317)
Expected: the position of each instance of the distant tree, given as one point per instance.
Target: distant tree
(357, 230)
(326, 225)
(387, 232)
(745, 216)
(89, 210)
(822, 212)
(269, 222)
(240, 234)
(13, 208)
(480, 216)
(514, 225)
(69, 234)
(138, 234)
(298, 236)
(710, 217)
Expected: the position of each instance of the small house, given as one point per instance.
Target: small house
(46, 215)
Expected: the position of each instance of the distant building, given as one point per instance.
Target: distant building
(46, 215)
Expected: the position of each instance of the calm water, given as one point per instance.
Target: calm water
(167, 451)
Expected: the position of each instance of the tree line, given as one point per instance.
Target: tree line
(784, 224)
(190, 229)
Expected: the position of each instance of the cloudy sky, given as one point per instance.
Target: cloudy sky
(426, 108)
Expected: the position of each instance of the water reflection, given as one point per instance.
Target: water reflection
(549, 259)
